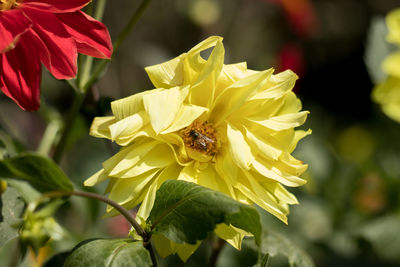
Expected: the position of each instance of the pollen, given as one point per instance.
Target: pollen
(9, 4)
(202, 137)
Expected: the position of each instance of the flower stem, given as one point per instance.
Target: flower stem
(265, 261)
(87, 65)
(121, 37)
(128, 216)
(124, 212)
(73, 113)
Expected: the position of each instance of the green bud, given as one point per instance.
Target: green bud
(39, 226)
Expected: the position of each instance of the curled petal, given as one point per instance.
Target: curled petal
(240, 149)
(130, 192)
(168, 74)
(185, 117)
(283, 122)
(233, 97)
(203, 91)
(100, 127)
(162, 107)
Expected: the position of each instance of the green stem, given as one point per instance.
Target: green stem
(73, 113)
(149, 247)
(49, 136)
(121, 37)
(80, 92)
(87, 66)
(265, 261)
(124, 212)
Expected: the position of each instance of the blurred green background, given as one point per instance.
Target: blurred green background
(349, 210)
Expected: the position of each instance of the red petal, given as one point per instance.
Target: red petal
(91, 36)
(20, 76)
(56, 6)
(13, 23)
(58, 52)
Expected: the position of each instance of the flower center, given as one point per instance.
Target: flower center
(201, 137)
(9, 4)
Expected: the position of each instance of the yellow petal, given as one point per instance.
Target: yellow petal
(229, 74)
(185, 117)
(393, 22)
(207, 43)
(203, 90)
(240, 150)
(263, 146)
(127, 158)
(277, 86)
(252, 190)
(290, 165)
(298, 135)
(258, 108)
(127, 127)
(391, 64)
(292, 104)
(163, 106)
(279, 192)
(186, 250)
(188, 174)
(282, 122)
(231, 234)
(193, 63)
(274, 173)
(96, 178)
(148, 201)
(169, 172)
(100, 127)
(166, 247)
(168, 74)
(159, 157)
(130, 105)
(227, 171)
(233, 97)
(163, 245)
(392, 110)
(388, 91)
(130, 189)
(207, 177)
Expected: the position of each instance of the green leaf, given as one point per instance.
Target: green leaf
(185, 212)
(41, 172)
(384, 235)
(109, 252)
(274, 243)
(12, 207)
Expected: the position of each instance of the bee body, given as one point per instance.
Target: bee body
(201, 141)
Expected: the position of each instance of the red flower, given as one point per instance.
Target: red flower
(49, 31)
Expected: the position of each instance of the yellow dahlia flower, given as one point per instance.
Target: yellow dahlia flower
(388, 92)
(221, 126)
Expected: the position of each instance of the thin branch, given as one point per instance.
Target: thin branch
(121, 37)
(124, 212)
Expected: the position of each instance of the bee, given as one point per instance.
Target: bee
(201, 141)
